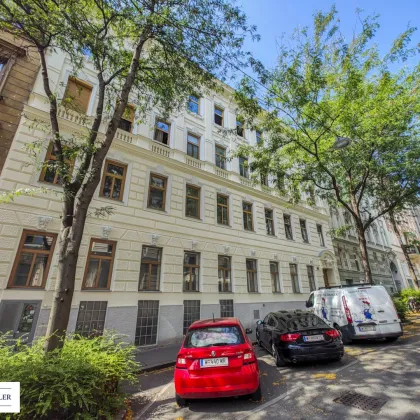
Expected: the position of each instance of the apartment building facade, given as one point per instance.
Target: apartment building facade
(383, 255)
(190, 234)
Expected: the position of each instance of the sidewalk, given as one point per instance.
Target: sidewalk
(155, 358)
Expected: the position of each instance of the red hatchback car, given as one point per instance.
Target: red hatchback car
(216, 359)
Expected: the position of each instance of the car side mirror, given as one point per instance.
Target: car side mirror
(248, 331)
(259, 322)
(308, 304)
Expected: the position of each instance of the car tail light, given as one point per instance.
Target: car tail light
(332, 333)
(347, 310)
(249, 357)
(289, 337)
(181, 362)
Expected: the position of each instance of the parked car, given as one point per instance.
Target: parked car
(360, 311)
(298, 336)
(216, 359)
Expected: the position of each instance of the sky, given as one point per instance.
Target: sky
(276, 17)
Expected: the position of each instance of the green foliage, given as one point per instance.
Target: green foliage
(401, 308)
(410, 293)
(82, 381)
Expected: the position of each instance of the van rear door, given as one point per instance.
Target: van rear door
(372, 311)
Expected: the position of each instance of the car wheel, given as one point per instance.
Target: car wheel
(279, 361)
(344, 337)
(391, 339)
(257, 395)
(182, 402)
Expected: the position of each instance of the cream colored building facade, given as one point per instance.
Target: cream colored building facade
(136, 233)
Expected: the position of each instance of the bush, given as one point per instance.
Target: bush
(79, 382)
(401, 308)
(409, 293)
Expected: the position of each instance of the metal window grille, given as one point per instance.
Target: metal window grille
(191, 313)
(91, 318)
(147, 322)
(256, 314)
(226, 308)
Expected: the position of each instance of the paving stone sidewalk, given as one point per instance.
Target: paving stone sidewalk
(155, 358)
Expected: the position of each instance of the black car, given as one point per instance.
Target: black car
(297, 336)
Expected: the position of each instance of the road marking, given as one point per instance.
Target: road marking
(324, 376)
(157, 396)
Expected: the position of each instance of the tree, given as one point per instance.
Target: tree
(153, 53)
(322, 88)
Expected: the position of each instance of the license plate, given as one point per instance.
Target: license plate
(218, 361)
(369, 328)
(308, 338)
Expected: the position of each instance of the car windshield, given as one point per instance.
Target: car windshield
(214, 336)
(305, 321)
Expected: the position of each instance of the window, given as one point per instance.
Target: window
(251, 275)
(294, 277)
(150, 268)
(147, 322)
(349, 282)
(157, 192)
(275, 277)
(162, 129)
(99, 264)
(33, 259)
(193, 146)
(49, 172)
(256, 314)
(243, 167)
(77, 95)
(320, 235)
(3, 70)
(220, 157)
(191, 313)
(226, 308)
(240, 127)
(225, 274)
(311, 277)
(218, 116)
(247, 215)
(269, 222)
(271, 321)
(113, 180)
(191, 272)
(192, 205)
(222, 209)
(194, 104)
(264, 180)
(303, 230)
(288, 226)
(91, 318)
(127, 120)
(259, 138)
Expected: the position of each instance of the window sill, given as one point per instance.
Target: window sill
(197, 219)
(149, 291)
(226, 293)
(25, 288)
(254, 293)
(225, 226)
(191, 291)
(114, 200)
(160, 143)
(292, 240)
(193, 114)
(157, 211)
(277, 293)
(95, 290)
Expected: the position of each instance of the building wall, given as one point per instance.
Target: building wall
(16, 82)
(132, 225)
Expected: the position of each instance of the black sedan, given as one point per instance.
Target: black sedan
(297, 336)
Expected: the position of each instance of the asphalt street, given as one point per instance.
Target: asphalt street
(387, 371)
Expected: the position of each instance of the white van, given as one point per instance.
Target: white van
(359, 311)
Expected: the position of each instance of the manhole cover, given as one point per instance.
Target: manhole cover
(362, 402)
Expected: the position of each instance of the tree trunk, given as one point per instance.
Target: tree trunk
(364, 252)
(71, 234)
(402, 246)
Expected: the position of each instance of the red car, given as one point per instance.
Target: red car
(216, 359)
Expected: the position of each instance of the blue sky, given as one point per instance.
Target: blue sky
(275, 17)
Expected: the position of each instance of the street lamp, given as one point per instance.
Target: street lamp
(341, 143)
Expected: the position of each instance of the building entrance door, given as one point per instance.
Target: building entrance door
(325, 274)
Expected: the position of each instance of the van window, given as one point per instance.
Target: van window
(271, 322)
(311, 301)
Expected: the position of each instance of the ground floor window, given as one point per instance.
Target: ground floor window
(191, 313)
(295, 278)
(147, 322)
(311, 277)
(91, 318)
(226, 308)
